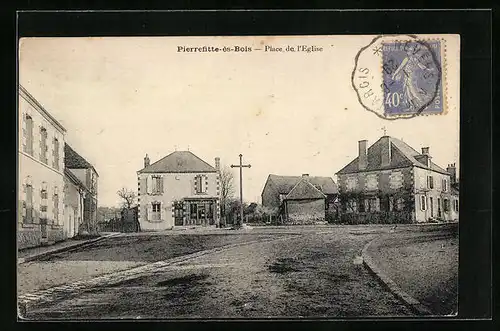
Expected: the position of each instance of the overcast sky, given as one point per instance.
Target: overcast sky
(287, 113)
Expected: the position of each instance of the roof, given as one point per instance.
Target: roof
(35, 103)
(74, 179)
(177, 162)
(284, 184)
(402, 155)
(73, 160)
(304, 190)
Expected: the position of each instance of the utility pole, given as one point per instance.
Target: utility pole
(241, 166)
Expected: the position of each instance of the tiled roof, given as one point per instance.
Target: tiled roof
(284, 184)
(179, 161)
(402, 155)
(304, 190)
(73, 160)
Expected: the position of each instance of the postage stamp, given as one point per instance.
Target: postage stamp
(401, 76)
(412, 77)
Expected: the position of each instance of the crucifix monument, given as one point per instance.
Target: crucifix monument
(241, 166)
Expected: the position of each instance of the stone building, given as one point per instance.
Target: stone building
(178, 190)
(392, 182)
(74, 200)
(41, 177)
(300, 199)
(88, 176)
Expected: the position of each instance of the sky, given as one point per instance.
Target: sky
(287, 113)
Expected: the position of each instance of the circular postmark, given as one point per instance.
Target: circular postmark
(399, 76)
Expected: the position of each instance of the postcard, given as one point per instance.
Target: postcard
(240, 177)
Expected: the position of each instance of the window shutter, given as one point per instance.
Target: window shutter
(25, 134)
(161, 184)
(161, 211)
(149, 211)
(205, 188)
(196, 184)
(149, 185)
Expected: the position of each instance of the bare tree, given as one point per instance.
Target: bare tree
(127, 196)
(227, 188)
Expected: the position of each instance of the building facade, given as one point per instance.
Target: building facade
(392, 182)
(178, 190)
(300, 199)
(41, 174)
(85, 172)
(74, 199)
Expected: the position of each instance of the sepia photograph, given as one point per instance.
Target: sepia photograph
(253, 177)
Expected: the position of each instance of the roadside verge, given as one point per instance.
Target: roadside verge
(408, 300)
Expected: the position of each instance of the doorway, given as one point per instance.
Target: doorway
(431, 202)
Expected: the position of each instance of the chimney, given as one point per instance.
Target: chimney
(426, 157)
(452, 170)
(385, 151)
(305, 176)
(217, 163)
(362, 157)
(146, 161)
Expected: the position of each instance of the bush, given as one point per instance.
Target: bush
(377, 218)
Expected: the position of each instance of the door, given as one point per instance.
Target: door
(178, 214)
(43, 228)
(431, 202)
(439, 207)
(201, 214)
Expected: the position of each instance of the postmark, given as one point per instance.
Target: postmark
(400, 76)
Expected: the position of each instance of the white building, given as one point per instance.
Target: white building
(178, 190)
(41, 174)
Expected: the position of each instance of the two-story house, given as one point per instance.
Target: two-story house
(178, 190)
(41, 178)
(392, 180)
(300, 199)
(88, 176)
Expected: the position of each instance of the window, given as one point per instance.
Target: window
(361, 203)
(423, 202)
(200, 184)
(157, 184)
(156, 211)
(29, 204)
(43, 145)
(430, 182)
(28, 134)
(455, 203)
(43, 198)
(400, 204)
(55, 153)
(55, 199)
(446, 206)
(445, 185)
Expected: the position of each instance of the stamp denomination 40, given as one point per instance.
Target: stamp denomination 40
(400, 77)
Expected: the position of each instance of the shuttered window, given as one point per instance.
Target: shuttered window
(55, 153)
(43, 145)
(28, 217)
(430, 182)
(423, 202)
(28, 134)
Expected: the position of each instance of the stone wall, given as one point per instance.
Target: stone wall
(305, 211)
(29, 237)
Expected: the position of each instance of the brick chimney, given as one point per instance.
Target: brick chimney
(362, 157)
(385, 151)
(426, 157)
(146, 161)
(452, 170)
(217, 163)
